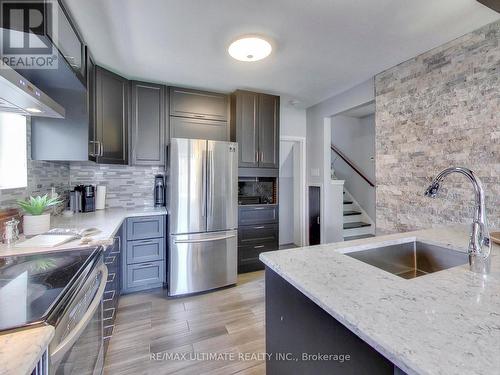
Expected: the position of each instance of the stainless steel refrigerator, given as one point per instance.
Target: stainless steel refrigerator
(203, 215)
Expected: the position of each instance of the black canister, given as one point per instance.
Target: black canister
(159, 191)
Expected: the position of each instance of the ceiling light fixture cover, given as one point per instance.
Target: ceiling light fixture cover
(250, 48)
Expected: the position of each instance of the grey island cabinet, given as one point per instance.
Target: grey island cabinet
(302, 338)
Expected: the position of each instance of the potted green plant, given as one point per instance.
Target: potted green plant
(36, 219)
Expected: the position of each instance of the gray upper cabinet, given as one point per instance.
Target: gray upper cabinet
(148, 124)
(91, 101)
(111, 120)
(244, 116)
(198, 114)
(198, 104)
(269, 108)
(184, 127)
(255, 126)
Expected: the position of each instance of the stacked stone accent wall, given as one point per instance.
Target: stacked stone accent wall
(434, 111)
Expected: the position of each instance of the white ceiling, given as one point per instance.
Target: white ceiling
(321, 47)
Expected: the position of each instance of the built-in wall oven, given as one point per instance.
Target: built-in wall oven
(77, 346)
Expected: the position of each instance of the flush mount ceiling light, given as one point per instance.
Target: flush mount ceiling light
(250, 48)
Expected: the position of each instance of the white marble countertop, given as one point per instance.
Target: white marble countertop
(108, 222)
(446, 322)
(21, 350)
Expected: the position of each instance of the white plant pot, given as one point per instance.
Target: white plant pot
(36, 224)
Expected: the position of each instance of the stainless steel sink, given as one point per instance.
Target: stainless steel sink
(411, 259)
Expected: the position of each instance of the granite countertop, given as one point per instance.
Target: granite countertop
(21, 350)
(446, 322)
(108, 222)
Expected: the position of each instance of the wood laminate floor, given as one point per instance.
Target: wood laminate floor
(226, 324)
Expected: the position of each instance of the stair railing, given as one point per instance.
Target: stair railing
(352, 165)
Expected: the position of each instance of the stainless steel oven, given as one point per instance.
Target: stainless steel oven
(77, 346)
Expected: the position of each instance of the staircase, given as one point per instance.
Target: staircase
(356, 223)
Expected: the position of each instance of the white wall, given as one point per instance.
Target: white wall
(355, 137)
(292, 124)
(315, 118)
(318, 138)
(292, 121)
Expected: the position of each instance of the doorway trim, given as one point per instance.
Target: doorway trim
(301, 142)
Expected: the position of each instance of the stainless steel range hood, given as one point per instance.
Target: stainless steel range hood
(492, 4)
(18, 95)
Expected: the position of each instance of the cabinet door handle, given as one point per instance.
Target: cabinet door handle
(93, 154)
(261, 156)
(145, 265)
(117, 249)
(144, 242)
(101, 148)
(256, 156)
(258, 247)
(199, 116)
(261, 227)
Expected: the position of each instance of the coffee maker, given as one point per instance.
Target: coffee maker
(82, 199)
(159, 191)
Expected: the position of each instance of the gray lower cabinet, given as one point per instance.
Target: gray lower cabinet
(257, 214)
(112, 260)
(149, 250)
(144, 261)
(145, 275)
(148, 124)
(258, 231)
(146, 227)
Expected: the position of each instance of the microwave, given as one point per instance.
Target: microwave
(257, 190)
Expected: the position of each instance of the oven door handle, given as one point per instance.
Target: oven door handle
(57, 355)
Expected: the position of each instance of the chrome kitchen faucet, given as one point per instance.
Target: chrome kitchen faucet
(479, 244)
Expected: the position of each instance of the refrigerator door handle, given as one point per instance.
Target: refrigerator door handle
(204, 185)
(211, 182)
(211, 239)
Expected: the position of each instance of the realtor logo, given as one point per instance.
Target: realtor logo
(26, 27)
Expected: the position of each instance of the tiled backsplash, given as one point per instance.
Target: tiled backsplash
(42, 176)
(434, 111)
(125, 186)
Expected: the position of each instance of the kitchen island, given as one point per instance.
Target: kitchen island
(447, 322)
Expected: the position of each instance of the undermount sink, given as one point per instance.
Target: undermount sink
(411, 259)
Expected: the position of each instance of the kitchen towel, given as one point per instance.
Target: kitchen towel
(100, 200)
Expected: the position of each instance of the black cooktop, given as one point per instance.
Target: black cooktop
(31, 285)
